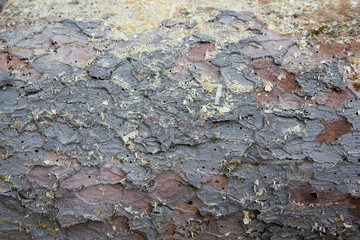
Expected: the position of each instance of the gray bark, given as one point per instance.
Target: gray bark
(255, 143)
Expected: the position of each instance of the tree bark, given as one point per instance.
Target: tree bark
(223, 130)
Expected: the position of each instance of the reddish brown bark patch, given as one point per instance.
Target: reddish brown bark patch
(355, 202)
(184, 64)
(172, 189)
(334, 129)
(105, 193)
(232, 224)
(117, 228)
(267, 70)
(43, 175)
(195, 61)
(47, 175)
(277, 97)
(305, 194)
(82, 230)
(198, 52)
(168, 232)
(191, 206)
(102, 193)
(137, 200)
(336, 99)
(52, 158)
(16, 66)
(78, 56)
(69, 202)
(85, 177)
(327, 195)
(55, 166)
(282, 89)
(112, 175)
(338, 50)
(218, 182)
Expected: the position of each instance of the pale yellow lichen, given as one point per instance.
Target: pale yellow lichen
(237, 88)
(207, 85)
(281, 76)
(267, 86)
(246, 218)
(224, 109)
(292, 130)
(50, 194)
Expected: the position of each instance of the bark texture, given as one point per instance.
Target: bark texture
(161, 137)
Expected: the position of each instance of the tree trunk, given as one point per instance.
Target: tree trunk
(218, 129)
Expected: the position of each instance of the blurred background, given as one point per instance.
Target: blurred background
(134, 16)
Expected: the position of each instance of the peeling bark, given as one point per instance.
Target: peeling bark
(152, 138)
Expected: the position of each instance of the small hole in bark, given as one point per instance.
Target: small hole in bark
(240, 128)
(313, 196)
(222, 188)
(221, 226)
(265, 176)
(203, 167)
(214, 149)
(335, 173)
(190, 202)
(36, 150)
(89, 176)
(22, 141)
